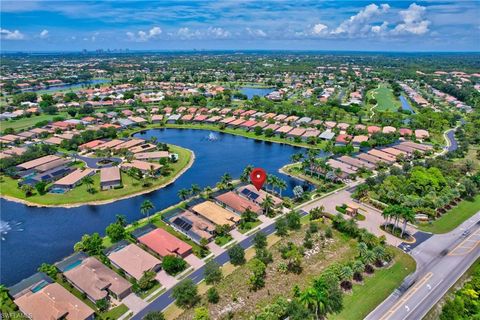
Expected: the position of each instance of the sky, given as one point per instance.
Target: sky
(53, 25)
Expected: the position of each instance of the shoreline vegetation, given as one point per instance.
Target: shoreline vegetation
(186, 160)
(237, 132)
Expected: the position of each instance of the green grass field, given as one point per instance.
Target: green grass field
(26, 123)
(364, 298)
(454, 217)
(79, 194)
(385, 99)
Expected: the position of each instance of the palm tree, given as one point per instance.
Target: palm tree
(195, 189)
(88, 180)
(207, 190)
(308, 298)
(362, 249)
(296, 157)
(267, 204)
(270, 181)
(121, 219)
(282, 185)
(380, 253)
(27, 189)
(146, 207)
(369, 259)
(346, 275)
(386, 214)
(358, 267)
(226, 180)
(408, 216)
(246, 173)
(183, 193)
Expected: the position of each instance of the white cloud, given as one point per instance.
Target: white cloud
(359, 23)
(413, 21)
(143, 36)
(44, 34)
(257, 33)
(319, 29)
(186, 33)
(11, 35)
(210, 33)
(218, 33)
(380, 29)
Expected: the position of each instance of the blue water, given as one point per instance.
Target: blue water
(405, 104)
(73, 265)
(250, 92)
(39, 286)
(48, 234)
(68, 86)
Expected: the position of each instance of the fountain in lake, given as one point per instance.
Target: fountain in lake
(6, 226)
(212, 136)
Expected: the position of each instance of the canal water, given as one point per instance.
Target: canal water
(405, 104)
(33, 235)
(251, 91)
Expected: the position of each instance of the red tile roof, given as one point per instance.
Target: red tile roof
(238, 203)
(164, 243)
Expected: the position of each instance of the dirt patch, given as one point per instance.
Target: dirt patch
(235, 296)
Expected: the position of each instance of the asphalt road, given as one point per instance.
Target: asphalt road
(166, 298)
(453, 142)
(93, 162)
(441, 260)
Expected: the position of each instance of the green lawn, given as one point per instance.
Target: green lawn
(25, 123)
(145, 294)
(79, 194)
(249, 226)
(364, 298)
(454, 217)
(115, 313)
(385, 99)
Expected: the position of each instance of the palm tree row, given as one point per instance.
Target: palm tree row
(395, 213)
(193, 191)
(275, 182)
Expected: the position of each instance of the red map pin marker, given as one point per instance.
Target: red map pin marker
(258, 177)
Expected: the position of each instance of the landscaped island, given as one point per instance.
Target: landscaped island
(89, 191)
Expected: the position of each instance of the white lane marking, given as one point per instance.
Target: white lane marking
(426, 296)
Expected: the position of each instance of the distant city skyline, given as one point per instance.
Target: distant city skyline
(49, 25)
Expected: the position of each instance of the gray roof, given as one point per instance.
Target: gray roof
(28, 283)
(304, 120)
(327, 135)
(175, 117)
(71, 261)
(125, 122)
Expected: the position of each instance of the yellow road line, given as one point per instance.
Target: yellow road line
(407, 296)
(465, 244)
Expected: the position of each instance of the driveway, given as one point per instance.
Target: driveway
(165, 279)
(134, 302)
(194, 261)
(93, 162)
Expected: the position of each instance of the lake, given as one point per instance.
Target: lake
(405, 104)
(73, 85)
(252, 91)
(32, 235)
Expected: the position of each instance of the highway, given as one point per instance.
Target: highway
(441, 261)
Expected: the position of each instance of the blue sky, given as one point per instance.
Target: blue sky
(52, 25)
